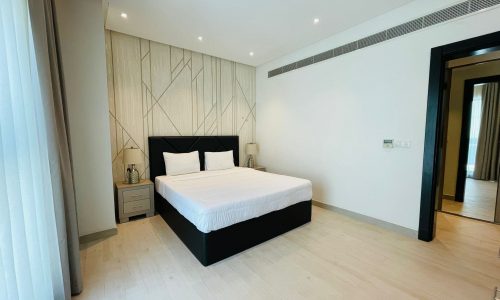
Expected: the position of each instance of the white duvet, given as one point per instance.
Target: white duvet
(213, 200)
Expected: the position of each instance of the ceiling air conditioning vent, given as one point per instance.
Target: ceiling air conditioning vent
(372, 39)
(274, 72)
(405, 28)
(289, 67)
(476, 5)
(345, 48)
(305, 62)
(434, 18)
(446, 14)
(322, 56)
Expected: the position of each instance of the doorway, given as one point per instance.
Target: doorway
(436, 124)
(471, 165)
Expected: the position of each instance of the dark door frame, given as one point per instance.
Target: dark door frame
(465, 132)
(434, 125)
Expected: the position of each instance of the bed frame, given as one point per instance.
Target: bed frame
(217, 245)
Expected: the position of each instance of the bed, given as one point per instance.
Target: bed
(217, 214)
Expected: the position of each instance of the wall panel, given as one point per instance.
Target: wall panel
(157, 89)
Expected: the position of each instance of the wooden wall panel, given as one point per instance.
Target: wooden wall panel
(157, 89)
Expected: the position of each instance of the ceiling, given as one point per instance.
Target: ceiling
(231, 29)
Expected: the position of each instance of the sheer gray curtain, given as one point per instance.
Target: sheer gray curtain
(487, 161)
(44, 30)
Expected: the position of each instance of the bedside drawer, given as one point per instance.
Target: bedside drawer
(134, 206)
(134, 195)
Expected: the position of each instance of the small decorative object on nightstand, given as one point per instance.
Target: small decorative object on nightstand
(251, 149)
(134, 199)
(132, 156)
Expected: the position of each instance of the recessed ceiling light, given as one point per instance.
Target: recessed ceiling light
(316, 20)
(200, 38)
(123, 15)
(251, 53)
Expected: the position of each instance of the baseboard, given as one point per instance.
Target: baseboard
(386, 225)
(97, 235)
(448, 197)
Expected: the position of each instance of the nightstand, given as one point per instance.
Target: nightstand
(260, 168)
(134, 199)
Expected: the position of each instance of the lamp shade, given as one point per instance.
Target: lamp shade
(251, 149)
(132, 156)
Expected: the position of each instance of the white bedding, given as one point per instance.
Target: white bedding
(216, 199)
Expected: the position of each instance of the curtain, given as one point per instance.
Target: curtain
(487, 162)
(475, 124)
(48, 61)
(37, 210)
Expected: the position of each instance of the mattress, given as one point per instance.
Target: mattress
(212, 200)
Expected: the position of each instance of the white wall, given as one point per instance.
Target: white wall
(326, 122)
(81, 30)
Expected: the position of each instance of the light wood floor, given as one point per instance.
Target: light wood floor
(333, 257)
(480, 200)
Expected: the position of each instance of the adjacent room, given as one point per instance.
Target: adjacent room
(472, 149)
(200, 149)
(472, 191)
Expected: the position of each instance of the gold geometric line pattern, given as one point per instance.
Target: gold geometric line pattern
(189, 96)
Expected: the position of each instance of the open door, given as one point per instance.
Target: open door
(434, 123)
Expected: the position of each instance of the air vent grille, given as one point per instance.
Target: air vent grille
(437, 17)
(476, 5)
(305, 62)
(345, 48)
(289, 67)
(322, 56)
(446, 14)
(405, 28)
(372, 39)
(274, 72)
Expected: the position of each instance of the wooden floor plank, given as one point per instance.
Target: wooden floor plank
(479, 203)
(332, 257)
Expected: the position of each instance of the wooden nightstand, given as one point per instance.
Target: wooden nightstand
(134, 199)
(260, 168)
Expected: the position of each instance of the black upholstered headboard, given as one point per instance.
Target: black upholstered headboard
(183, 144)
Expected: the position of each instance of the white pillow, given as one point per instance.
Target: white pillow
(181, 163)
(219, 160)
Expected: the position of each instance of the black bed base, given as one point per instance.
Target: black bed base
(217, 245)
(214, 246)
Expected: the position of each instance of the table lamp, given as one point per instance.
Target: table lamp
(132, 156)
(251, 149)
